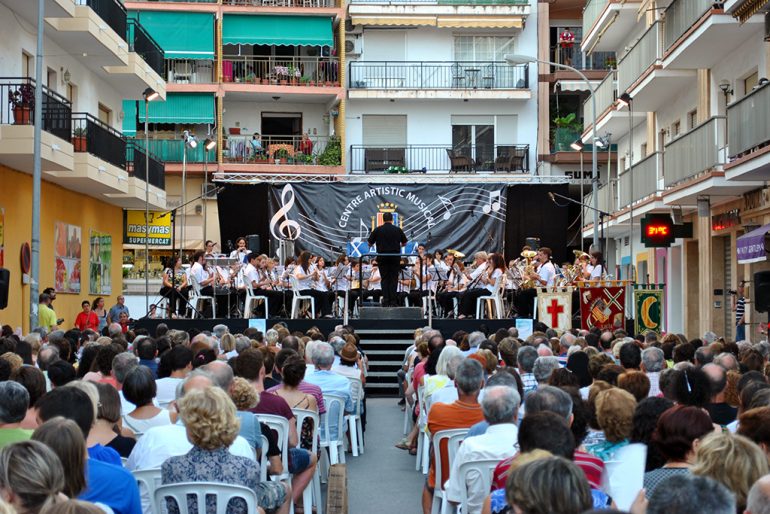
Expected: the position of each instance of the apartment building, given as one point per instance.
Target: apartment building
(429, 88)
(94, 57)
(261, 79)
(687, 107)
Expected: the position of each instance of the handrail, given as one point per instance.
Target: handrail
(747, 122)
(437, 75)
(694, 152)
(97, 138)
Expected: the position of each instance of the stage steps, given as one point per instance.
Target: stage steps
(385, 349)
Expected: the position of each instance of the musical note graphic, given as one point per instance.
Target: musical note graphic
(280, 225)
(448, 205)
(363, 230)
(493, 205)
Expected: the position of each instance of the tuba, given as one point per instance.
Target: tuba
(526, 268)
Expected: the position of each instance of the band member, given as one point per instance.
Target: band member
(210, 247)
(374, 288)
(262, 283)
(454, 286)
(204, 278)
(240, 251)
(486, 284)
(356, 287)
(306, 274)
(595, 268)
(175, 286)
(546, 273)
(389, 239)
(323, 284)
(404, 282)
(478, 266)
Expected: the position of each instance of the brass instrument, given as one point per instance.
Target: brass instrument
(456, 254)
(526, 269)
(580, 254)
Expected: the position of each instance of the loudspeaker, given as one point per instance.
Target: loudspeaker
(762, 291)
(391, 313)
(5, 283)
(253, 243)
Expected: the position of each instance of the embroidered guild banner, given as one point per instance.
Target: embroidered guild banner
(649, 311)
(554, 308)
(602, 307)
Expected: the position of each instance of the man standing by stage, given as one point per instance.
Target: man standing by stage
(389, 239)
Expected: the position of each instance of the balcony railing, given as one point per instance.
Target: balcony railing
(181, 1)
(286, 149)
(641, 56)
(142, 43)
(606, 200)
(696, 151)
(172, 150)
(644, 175)
(580, 60)
(681, 15)
(111, 11)
(136, 157)
(748, 124)
(189, 71)
(282, 3)
(606, 92)
(91, 135)
(461, 158)
(443, 2)
(296, 71)
(438, 75)
(17, 107)
(591, 13)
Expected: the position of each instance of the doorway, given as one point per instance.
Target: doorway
(281, 125)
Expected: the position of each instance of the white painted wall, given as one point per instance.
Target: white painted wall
(249, 115)
(16, 35)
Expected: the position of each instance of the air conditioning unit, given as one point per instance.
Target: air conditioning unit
(353, 46)
(352, 29)
(209, 191)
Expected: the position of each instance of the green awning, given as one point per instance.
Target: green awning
(283, 30)
(129, 117)
(181, 108)
(181, 35)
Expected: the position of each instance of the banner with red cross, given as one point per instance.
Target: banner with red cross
(554, 308)
(602, 307)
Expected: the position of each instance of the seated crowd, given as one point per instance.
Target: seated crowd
(79, 413)
(589, 421)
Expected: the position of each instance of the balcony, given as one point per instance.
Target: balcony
(645, 175)
(699, 35)
(189, 71)
(606, 94)
(478, 14)
(144, 66)
(694, 152)
(607, 23)
(277, 150)
(438, 80)
(142, 43)
(17, 115)
(172, 151)
(466, 158)
(748, 124)
(606, 201)
(143, 182)
(278, 71)
(313, 4)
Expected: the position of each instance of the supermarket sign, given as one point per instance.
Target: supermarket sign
(158, 225)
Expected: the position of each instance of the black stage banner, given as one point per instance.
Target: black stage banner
(322, 218)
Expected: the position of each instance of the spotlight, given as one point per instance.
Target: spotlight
(577, 145)
(624, 101)
(209, 144)
(150, 94)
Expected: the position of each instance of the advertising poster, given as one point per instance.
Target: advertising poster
(67, 247)
(158, 225)
(100, 264)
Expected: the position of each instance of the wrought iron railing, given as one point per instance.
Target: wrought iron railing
(282, 3)
(17, 107)
(141, 42)
(694, 152)
(640, 57)
(438, 75)
(294, 71)
(296, 150)
(606, 93)
(748, 121)
(112, 12)
(644, 175)
(172, 150)
(91, 135)
(580, 60)
(681, 15)
(189, 71)
(443, 2)
(136, 158)
(460, 158)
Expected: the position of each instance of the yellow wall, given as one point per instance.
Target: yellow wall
(57, 204)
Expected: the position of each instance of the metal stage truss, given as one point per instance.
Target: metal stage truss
(387, 178)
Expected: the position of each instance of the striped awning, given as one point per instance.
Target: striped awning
(476, 22)
(195, 108)
(748, 9)
(576, 85)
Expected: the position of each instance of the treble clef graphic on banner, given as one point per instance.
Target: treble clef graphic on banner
(280, 225)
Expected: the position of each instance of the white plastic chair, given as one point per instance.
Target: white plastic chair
(298, 298)
(408, 407)
(453, 437)
(624, 474)
(423, 438)
(148, 481)
(482, 470)
(355, 426)
(281, 426)
(252, 301)
(312, 494)
(196, 299)
(199, 490)
(336, 447)
(496, 298)
(261, 457)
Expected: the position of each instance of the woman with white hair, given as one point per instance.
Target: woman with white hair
(443, 380)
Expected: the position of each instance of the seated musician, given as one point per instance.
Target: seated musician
(453, 287)
(240, 251)
(203, 277)
(306, 274)
(484, 284)
(323, 284)
(595, 268)
(404, 282)
(262, 284)
(374, 284)
(356, 288)
(546, 273)
(175, 286)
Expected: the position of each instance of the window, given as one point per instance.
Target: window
(622, 162)
(692, 119)
(51, 79)
(749, 82)
(27, 63)
(105, 115)
(676, 128)
(643, 151)
(483, 48)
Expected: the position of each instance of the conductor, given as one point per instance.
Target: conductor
(389, 239)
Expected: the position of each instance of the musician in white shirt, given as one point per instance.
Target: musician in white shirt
(484, 285)
(546, 273)
(374, 288)
(204, 278)
(240, 251)
(596, 267)
(323, 283)
(305, 274)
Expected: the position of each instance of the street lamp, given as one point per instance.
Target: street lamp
(188, 141)
(526, 59)
(149, 95)
(208, 145)
(625, 100)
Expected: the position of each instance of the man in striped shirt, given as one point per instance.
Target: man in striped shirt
(740, 313)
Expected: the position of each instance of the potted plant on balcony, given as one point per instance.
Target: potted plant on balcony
(611, 63)
(295, 75)
(567, 129)
(22, 102)
(252, 78)
(282, 72)
(281, 156)
(332, 154)
(79, 139)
